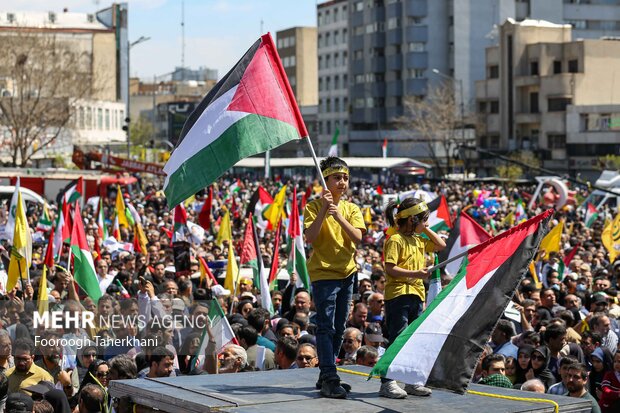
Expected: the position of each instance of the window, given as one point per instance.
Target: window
(319, 41)
(557, 141)
(336, 105)
(494, 106)
(493, 72)
(534, 68)
(88, 118)
(328, 83)
(320, 62)
(557, 67)
(534, 102)
(359, 6)
(578, 24)
(328, 105)
(482, 107)
(358, 54)
(99, 118)
(345, 105)
(416, 47)
(359, 78)
(344, 36)
(336, 59)
(328, 62)
(558, 104)
(292, 79)
(328, 127)
(345, 58)
(573, 66)
(107, 119)
(336, 37)
(336, 82)
(358, 103)
(358, 31)
(413, 20)
(320, 84)
(416, 73)
(393, 23)
(376, 52)
(327, 39)
(80, 118)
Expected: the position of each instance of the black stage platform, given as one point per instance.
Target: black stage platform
(289, 391)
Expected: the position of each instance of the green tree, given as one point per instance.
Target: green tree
(610, 162)
(141, 132)
(513, 171)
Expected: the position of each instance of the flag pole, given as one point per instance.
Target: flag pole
(448, 261)
(316, 162)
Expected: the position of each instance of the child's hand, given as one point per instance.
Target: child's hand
(328, 199)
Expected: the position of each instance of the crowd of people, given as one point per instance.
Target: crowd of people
(365, 290)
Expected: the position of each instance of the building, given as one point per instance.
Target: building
(551, 95)
(333, 64)
(297, 47)
(91, 45)
(398, 49)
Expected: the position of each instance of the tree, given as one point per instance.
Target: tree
(512, 171)
(141, 132)
(609, 162)
(43, 78)
(432, 120)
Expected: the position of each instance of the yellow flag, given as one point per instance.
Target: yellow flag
(273, 213)
(21, 251)
(367, 216)
(42, 305)
(552, 240)
(189, 201)
(224, 233)
(120, 209)
(611, 238)
(141, 237)
(535, 275)
(509, 219)
(232, 271)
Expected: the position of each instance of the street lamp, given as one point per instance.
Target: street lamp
(140, 39)
(462, 103)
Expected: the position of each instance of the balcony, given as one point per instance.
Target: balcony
(394, 36)
(417, 60)
(524, 117)
(416, 34)
(395, 62)
(521, 81)
(416, 87)
(417, 8)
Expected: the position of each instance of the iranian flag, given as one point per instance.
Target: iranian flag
(250, 111)
(297, 258)
(333, 149)
(441, 347)
(384, 148)
(251, 256)
(439, 219)
(83, 265)
(465, 234)
(591, 215)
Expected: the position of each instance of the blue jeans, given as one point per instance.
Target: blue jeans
(400, 312)
(332, 299)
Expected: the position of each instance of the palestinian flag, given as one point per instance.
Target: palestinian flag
(49, 251)
(220, 328)
(62, 233)
(180, 232)
(204, 217)
(441, 347)
(439, 219)
(83, 265)
(297, 258)
(591, 215)
(465, 234)
(72, 192)
(45, 222)
(563, 267)
(205, 272)
(258, 202)
(275, 261)
(251, 110)
(251, 256)
(333, 149)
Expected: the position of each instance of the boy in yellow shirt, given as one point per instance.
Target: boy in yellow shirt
(334, 227)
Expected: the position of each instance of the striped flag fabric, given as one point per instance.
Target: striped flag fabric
(441, 347)
(563, 267)
(384, 148)
(83, 265)
(101, 227)
(249, 255)
(258, 203)
(205, 272)
(439, 219)
(204, 217)
(74, 191)
(275, 261)
(62, 231)
(220, 328)
(45, 222)
(297, 258)
(333, 149)
(465, 234)
(250, 111)
(591, 215)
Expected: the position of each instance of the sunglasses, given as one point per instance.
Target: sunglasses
(535, 357)
(102, 374)
(90, 355)
(348, 341)
(305, 358)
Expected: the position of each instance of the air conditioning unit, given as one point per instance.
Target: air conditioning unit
(5, 93)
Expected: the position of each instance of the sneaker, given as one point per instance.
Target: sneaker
(333, 390)
(417, 390)
(392, 390)
(343, 384)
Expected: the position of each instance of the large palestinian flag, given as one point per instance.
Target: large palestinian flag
(83, 264)
(439, 219)
(441, 347)
(251, 110)
(465, 234)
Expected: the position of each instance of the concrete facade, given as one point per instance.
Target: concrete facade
(544, 93)
(297, 48)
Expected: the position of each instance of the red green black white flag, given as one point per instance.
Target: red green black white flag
(441, 347)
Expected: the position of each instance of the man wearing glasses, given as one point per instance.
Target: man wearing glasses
(306, 356)
(25, 373)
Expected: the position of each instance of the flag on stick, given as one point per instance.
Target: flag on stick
(333, 149)
(591, 215)
(611, 238)
(204, 217)
(297, 258)
(250, 111)
(21, 249)
(441, 347)
(84, 267)
(552, 241)
(465, 234)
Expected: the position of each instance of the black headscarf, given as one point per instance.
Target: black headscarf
(58, 400)
(543, 373)
(520, 373)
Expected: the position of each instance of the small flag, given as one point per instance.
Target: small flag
(21, 248)
(232, 271)
(439, 218)
(434, 285)
(611, 238)
(273, 213)
(224, 233)
(101, 227)
(120, 209)
(591, 215)
(205, 272)
(204, 217)
(384, 148)
(275, 261)
(43, 300)
(333, 149)
(552, 241)
(45, 222)
(84, 267)
(297, 257)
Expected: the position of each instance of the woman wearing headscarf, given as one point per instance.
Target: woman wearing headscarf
(539, 361)
(522, 364)
(97, 375)
(602, 362)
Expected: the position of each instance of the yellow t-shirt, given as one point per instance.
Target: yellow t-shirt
(407, 252)
(332, 252)
(19, 381)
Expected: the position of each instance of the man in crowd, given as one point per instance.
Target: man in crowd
(494, 371)
(25, 373)
(576, 383)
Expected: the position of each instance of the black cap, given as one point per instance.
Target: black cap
(18, 403)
